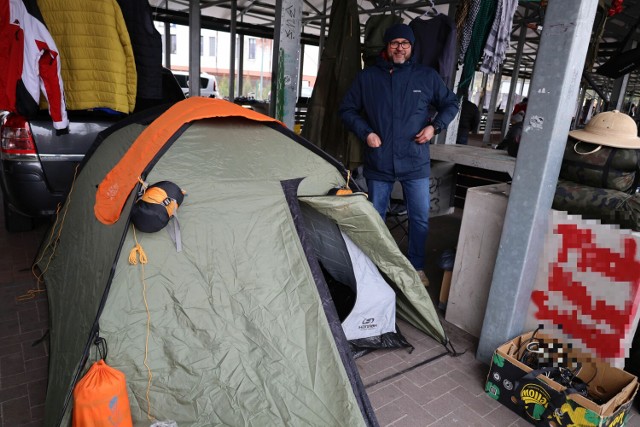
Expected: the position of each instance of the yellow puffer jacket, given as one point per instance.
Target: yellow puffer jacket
(98, 67)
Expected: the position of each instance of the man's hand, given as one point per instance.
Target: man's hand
(424, 135)
(373, 140)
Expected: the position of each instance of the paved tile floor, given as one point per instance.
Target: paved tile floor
(446, 392)
(23, 364)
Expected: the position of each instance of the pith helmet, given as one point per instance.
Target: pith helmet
(611, 128)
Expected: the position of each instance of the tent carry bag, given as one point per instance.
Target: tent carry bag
(100, 398)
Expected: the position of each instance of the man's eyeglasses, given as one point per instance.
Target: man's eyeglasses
(404, 45)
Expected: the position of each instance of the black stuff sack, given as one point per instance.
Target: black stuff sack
(157, 205)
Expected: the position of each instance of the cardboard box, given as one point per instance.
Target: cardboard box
(545, 402)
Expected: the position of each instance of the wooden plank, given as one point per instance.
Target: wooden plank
(485, 158)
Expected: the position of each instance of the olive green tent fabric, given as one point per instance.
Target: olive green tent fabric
(77, 273)
(353, 216)
(238, 335)
(237, 332)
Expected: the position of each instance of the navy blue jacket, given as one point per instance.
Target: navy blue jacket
(393, 101)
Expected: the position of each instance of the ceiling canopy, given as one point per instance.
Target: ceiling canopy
(612, 37)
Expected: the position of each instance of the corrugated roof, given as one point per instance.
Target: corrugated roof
(258, 18)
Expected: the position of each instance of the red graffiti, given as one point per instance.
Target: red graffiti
(615, 268)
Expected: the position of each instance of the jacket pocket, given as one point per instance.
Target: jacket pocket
(419, 102)
(421, 155)
(375, 159)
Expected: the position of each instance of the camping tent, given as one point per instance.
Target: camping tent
(237, 328)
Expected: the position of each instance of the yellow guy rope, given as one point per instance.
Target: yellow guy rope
(138, 253)
(31, 293)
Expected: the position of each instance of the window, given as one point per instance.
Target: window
(174, 43)
(212, 46)
(182, 80)
(252, 48)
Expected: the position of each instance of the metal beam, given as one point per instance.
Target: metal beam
(246, 9)
(555, 81)
(595, 86)
(217, 24)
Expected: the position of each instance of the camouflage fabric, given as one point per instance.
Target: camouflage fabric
(608, 167)
(608, 206)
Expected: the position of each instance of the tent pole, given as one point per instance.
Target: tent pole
(411, 368)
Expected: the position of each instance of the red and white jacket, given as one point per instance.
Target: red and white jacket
(29, 62)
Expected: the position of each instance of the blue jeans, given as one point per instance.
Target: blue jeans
(416, 197)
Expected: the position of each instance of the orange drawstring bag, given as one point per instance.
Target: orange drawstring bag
(100, 398)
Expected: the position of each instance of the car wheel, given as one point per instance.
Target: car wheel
(15, 222)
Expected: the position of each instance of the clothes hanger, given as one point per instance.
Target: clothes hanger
(432, 12)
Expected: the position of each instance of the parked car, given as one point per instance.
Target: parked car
(306, 92)
(208, 84)
(37, 166)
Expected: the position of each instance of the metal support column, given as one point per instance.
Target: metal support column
(617, 93)
(554, 87)
(451, 135)
(240, 64)
(323, 31)
(300, 72)
(514, 81)
(167, 40)
(495, 91)
(578, 112)
(286, 54)
(524, 81)
(619, 88)
(194, 48)
(483, 95)
(232, 59)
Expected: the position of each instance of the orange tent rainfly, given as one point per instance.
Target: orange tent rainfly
(115, 188)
